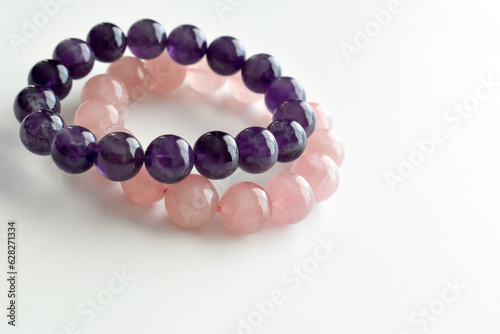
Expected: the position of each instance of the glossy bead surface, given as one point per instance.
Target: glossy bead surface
(186, 44)
(143, 189)
(108, 42)
(258, 149)
(216, 155)
(33, 98)
(166, 74)
(326, 142)
(76, 55)
(53, 75)
(134, 75)
(299, 111)
(241, 92)
(259, 71)
(38, 129)
(291, 139)
(74, 149)
(202, 79)
(323, 118)
(283, 89)
(102, 133)
(226, 55)
(146, 39)
(98, 115)
(106, 87)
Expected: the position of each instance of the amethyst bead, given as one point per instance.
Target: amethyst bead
(33, 98)
(283, 89)
(146, 39)
(108, 42)
(299, 111)
(258, 149)
(76, 55)
(226, 55)
(53, 75)
(38, 130)
(259, 71)
(186, 44)
(291, 138)
(216, 155)
(119, 156)
(169, 159)
(74, 149)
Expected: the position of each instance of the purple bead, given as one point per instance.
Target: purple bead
(226, 55)
(258, 149)
(146, 39)
(186, 44)
(108, 42)
(76, 55)
(169, 159)
(283, 89)
(216, 155)
(38, 130)
(33, 98)
(291, 138)
(299, 111)
(53, 75)
(74, 149)
(119, 156)
(259, 71)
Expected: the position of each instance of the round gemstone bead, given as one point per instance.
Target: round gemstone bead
(100, 134)
(216, 155)
(202, 79)
(291, 138)
(241, 92)
(299, 111)
(98, 115)
(166, 74)
(226, 55)
(143, 189)
(134, 75)
(169, 159)
(38, 130)
(74, 149)
(283, 89)
(120, 156)
(146, 39)
(108, 42)
(187, 44)
(259, 71)
(106, 87)
(323, 118)
(326, 142)
(258, 149)
(53, 75)
(76, 55)
(33, 98)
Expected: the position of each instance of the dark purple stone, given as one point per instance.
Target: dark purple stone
(76, 55)
(169, 159)
(291, 138)
(33, 98)
(259, 71)
(74, 149)
(108, 42)
(186, 44)
(299, 111)
(53, 75)
(216, 155)
(226, 55)
(283, 89)
(119, 156)
(38, 130)
(258, 149)
(146, 39)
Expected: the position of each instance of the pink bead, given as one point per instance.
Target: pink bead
(245, 208)
(107, 131)
(291, 197)
(326, 142)
(202, 79)
(166, 74)
(320, 172)
(241, 92)
(98, 115)
(107, 87)
(192, 202)
(143, 189)
(323, 118)
(134, 75)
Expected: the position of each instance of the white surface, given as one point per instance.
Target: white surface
(396, 249)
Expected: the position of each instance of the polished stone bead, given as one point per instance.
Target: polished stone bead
(226, 55)
(283, 89)
(38, 129)
(108, 42)
(146, 39)
(53, 75)
(259, 71)
(35, 97)
(258, 149)
(216, 155)
(143, 189)
(76, 55)
(187, 44)
(291, 138)
(74, 149)
(299, 111)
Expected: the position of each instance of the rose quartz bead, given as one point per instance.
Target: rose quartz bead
(241, 92)
(320, 172)
(245, 208)
(192, 202)
(107, 87)
(134, 75)
(104, 132)
(98, 115)
(202, 79)
(166, 74)
(291, 197)
(143, 189)
(323, 118)
(326, 142)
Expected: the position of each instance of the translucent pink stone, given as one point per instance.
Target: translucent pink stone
(202, 79)
(134, 75)
(241, 92)
(98, 115)
(326, 142)
(192, 202)
(166, 74)
(107, 87)
(104, 132)
(291, 197)
(320, 172)
(323, 117)
(245, 208)
(143, 189)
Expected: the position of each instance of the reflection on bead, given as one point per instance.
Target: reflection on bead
(299, 111)
(98, 115)
(166, 74)
(74, 149)
(134, 75)
(186, 44)
(35, 97)
(53, 75)
(76, 55)
(283, 89)
(146, 39)
(216, 155)
(107, 87)
(226, 55)
(258, 149)
(38, 130)
(108, 42)
(259, 71)
(326, 142)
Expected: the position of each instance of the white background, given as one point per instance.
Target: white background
(397, 249)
